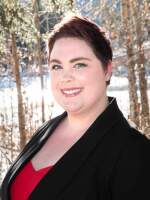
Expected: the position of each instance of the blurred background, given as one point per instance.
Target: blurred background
(26, 100)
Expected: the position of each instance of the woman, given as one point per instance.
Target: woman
(90, 152)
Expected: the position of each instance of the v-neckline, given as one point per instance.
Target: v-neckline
(40, 169)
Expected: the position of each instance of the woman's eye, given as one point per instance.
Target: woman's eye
(80, 65)
(56, 67)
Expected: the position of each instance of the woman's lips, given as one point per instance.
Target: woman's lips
(71, 92)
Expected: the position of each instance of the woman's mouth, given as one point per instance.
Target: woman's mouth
(71, 92)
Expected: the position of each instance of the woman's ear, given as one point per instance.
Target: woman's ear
(109, 71)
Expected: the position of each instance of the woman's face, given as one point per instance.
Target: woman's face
(78, 79)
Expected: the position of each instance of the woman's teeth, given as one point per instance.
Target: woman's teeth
(71, 91)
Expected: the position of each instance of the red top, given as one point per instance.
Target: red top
(26, 181)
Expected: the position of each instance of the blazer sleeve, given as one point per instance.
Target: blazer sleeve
(131, 177)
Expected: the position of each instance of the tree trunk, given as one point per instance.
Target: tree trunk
(145, 120)
(133, 97)
(21, 114)
(41, 78)
(36, 4)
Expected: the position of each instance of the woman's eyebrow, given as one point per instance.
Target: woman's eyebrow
(71, 61)
(55, 61)
(78, 59)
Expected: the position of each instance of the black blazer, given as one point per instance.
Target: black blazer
(111, 161)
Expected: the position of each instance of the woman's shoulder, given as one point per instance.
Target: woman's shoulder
(135, 146)
(49, 122)
(130, 142)
(129, 134)
(138, 145)
(136, 138)
(44, 130)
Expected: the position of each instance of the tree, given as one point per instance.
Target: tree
(137, 11)
(14, 25)
(36, 8)
(135, 36)
(134, 104)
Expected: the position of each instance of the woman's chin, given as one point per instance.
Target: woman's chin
(72, 108)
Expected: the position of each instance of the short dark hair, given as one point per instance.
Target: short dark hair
(85, 29)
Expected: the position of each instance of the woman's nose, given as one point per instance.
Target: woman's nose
(67, 76)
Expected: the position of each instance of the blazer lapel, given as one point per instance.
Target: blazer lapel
(54, 183)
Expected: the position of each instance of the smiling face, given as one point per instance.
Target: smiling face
(78, 79)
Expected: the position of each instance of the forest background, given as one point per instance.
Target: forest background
(25, 96)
